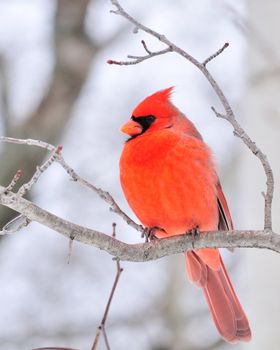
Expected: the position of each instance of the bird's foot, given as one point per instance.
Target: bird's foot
(194, 232)
(150, 233)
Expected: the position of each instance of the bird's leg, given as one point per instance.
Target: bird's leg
(194, 232)
(149, 233)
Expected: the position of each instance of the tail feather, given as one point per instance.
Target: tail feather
(226, 310)
(197, 270)
(243, 328)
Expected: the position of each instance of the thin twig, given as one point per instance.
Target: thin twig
(120, 11)
(146, 47)
(14, 181)
(101, 327)
(229, 116)
(29, 142)
(210, 58)
(106, 339)
(139, 59)
(39, 171)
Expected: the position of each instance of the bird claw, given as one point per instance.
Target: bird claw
(194, 232)
(149, 233)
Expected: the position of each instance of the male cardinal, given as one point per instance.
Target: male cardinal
(170, 182)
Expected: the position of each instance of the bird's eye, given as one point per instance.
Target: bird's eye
(150, 118)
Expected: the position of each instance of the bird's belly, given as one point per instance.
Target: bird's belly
(170, 196)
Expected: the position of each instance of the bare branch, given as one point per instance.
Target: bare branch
(145, 47)
(39, 171)
(229, 116)
(210, 58)
(120, 11)
(144, 251)
(139, 59)
(14, 181)
(29, 142)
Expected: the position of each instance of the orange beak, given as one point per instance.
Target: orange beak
(131, 128)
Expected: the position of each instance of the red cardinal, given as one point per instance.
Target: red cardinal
(169, 180)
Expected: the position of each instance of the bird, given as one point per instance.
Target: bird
(169, 179)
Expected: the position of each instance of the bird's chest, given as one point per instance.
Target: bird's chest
(166, 182)
(142, 163)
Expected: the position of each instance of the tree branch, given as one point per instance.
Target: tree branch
(216, 54)
(139, 59)
(142, 251)
(39, 171)
(229, 114)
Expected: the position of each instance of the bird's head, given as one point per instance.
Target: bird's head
(155, 112)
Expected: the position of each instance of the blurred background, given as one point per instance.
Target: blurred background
(55, 86)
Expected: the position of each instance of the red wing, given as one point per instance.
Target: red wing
(225, 222)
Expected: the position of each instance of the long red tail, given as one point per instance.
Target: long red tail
(226, 310)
